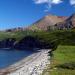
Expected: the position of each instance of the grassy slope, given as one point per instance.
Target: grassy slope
(17, 34)
(46, 36)
(62, 55)
(4, 35)
(65, 53)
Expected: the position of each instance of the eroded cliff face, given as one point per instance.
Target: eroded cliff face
(29, 43)
(7, 43)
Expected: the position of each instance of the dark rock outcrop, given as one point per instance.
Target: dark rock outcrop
(28, 43)
(31, 43)
(7, 43)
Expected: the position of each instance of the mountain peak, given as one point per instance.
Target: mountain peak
(54, 16)
(48, 20)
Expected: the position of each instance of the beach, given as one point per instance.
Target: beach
(31, 65)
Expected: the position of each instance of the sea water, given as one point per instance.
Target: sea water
(9, 57)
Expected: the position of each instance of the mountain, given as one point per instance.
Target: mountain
(69, 23)
(46, 21)
(50, 22)
(72, 20)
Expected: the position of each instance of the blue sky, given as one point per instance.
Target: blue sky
(19, 13)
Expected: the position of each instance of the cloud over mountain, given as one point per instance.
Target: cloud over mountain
(48, 2)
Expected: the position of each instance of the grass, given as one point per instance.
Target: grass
(63, 61)
(18, 35)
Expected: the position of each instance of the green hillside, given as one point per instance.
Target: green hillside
(63, 59)
(17, 34)
(59, 36)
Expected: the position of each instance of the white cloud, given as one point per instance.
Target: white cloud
(48, 2)
(40, 1)
(56, 1)
(72, 2)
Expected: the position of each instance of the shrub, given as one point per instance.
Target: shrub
(67, 66)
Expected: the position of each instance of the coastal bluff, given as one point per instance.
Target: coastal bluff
(26, 43)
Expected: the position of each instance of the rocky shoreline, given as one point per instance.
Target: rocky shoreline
(31, 65)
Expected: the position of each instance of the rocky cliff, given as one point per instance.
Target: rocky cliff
(69, 23)
(7, 43)
(28, 42)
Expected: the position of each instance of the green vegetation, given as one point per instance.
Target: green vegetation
(60, 36)
(18, 35)
(4, 35)
(63, 46)
(66, 37)
(63, 61)
(34, 27)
